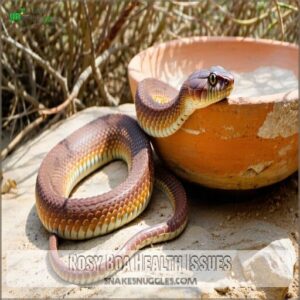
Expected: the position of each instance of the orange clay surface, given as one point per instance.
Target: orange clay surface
(240, 142)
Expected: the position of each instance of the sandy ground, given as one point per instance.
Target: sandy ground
(218, 220)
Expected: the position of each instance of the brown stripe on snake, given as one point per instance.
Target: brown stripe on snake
(161, 111)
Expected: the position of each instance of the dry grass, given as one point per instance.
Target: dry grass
(64, 56)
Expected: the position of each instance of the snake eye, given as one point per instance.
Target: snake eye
(212, 79)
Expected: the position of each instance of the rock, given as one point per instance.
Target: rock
(222, 290)
(272, 266)
(295, 235)
(290, 295)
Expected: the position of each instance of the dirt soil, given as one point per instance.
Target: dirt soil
(218, 220)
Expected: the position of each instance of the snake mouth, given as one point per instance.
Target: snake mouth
(223, 95)
(229, 90)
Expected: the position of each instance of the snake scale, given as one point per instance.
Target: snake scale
(161, 110)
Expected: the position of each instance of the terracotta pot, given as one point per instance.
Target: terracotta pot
(238, 143)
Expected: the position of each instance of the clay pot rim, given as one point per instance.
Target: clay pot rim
(288, 96)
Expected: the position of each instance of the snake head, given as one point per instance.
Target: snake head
(207, 86)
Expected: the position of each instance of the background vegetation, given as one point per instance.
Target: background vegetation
(61, 57)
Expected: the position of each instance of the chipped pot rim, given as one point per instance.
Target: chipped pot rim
(135, 72)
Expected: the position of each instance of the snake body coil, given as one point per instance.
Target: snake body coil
(161, 111)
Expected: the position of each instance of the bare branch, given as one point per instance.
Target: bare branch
(280, 19)
(81, 80)
(45, 64)
(97, 73)
(117, 25)
(20, 137)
